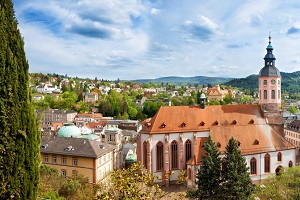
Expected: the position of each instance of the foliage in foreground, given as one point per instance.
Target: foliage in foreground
(222, 179)
(286, 185)
(132, 183)
(56, 187)
(19, 133)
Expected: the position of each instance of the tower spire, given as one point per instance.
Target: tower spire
(270, 37)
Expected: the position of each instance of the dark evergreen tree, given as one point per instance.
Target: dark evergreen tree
(237, 183)
(208, 176)
(19, 135)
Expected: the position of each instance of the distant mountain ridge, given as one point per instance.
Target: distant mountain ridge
(177, 80)
(290, 81)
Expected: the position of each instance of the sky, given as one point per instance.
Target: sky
(141, 39)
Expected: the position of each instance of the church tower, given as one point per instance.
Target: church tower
(269, 81)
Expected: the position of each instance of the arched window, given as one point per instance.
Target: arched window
(188, 150)
(145, 154)
(265, 94)
(174, 155)
(279, 157)
(260, 94)
(159, 156)
(189, 173)
(291, 163)
(253, 166)
(273, 94)
(278, 94)
(267, 163)
(265, 82)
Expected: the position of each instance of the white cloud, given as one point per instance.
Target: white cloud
(135, 39)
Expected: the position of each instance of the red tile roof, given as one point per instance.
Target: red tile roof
(243, 122)
(197, 119)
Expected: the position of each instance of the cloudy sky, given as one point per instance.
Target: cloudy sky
(135, 39)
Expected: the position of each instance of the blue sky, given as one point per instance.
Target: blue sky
(136, 39)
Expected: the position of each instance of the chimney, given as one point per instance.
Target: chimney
(202, 101)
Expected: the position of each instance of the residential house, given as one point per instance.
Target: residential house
(292, 134)
(218, 94)
(74, 156)
(51, 116)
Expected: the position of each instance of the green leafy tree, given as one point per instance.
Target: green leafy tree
(293, 110)
(19, 134)
(213, 102)
(283, 186)
(228, 98)
(150, 107)
(236, 182)
(132, 183)
(208, 176)
(69, 94)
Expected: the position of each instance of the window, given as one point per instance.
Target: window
(188, 150)
(99, 161)
(253, 166)
(64, 173)
(265, 94)
(260, 94)
(75, 162)
(278, 82)
(279, 157)
(291, 163)
(265, 82)
(145, 154)
(63, 161)
(45, 158)
(54, 159)
(267, 163)
(189, 173)
(273, 94)
(174, 155)
(159, 156)
(278, 94)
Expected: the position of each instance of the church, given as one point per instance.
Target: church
(173, 140)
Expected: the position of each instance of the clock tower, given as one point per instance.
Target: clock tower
(269, 85)
(269, 82)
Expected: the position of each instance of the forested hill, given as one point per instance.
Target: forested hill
(290, 82)
(175, 80)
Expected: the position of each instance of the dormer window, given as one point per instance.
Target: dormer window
(219, 145)
(163, 125)
(183, 124)
(239, 144)
(251, 121)
(215, 123)
(256, 142)
(233, 122)
(202, 123)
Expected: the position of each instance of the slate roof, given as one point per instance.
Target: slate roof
(269, 71)
(74, 147)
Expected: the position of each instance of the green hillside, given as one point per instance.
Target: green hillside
(175, 80)
(290, 82)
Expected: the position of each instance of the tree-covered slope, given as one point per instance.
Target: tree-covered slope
(175, 80)
(290, 82)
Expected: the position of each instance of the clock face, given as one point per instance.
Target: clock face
(273, 81)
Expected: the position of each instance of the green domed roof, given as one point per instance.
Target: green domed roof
(69, 130)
